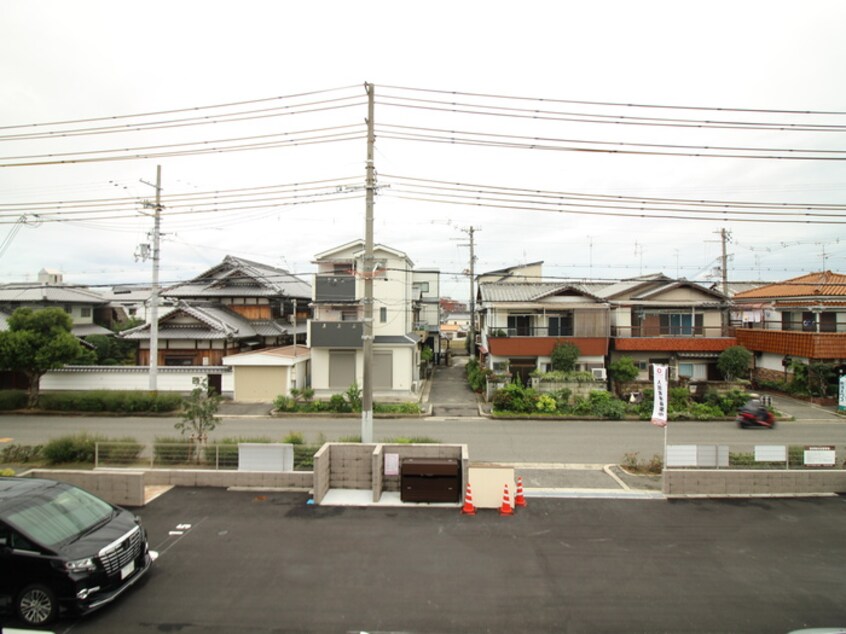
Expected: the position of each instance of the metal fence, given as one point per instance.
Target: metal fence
(166, 455)
(758, 456)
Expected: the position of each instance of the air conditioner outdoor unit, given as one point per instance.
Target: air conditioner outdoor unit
(599, 374)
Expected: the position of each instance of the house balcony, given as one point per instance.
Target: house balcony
(652, 331)
(809, 345)
(336, 334)
(335, 288)
(539, 342)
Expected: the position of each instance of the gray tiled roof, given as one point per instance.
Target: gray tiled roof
(220, 323)
(529, 292)
(237, 277)
(52, 293)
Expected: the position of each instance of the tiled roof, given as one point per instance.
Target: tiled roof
(811, 286)
(237, 277)
(529, 292)
(220, 323)
(811, 345)
(53, 293)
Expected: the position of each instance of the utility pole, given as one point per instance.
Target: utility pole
(725, 236)
(368, 266)
(470, 231)
(154, 296)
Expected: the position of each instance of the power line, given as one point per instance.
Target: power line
(491, 139)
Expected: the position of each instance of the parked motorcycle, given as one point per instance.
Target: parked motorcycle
(754, 414)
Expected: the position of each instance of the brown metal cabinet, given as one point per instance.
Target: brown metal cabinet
(430, 480)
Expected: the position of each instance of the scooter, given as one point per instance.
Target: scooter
(753, 414)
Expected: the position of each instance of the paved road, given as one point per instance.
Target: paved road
(270, 563)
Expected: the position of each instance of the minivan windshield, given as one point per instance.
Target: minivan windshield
(59, 514)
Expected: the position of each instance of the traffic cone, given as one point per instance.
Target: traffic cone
(519, 500)
(506, 509)
(468, 508)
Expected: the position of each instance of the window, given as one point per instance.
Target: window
(681, 324)
(349, 314)
(519, 325)
(423, 287)
(383, 314)
(342, 268)
(85, 311)
(686, 369)
(561, 325)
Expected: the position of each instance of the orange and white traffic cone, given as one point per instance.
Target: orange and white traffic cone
(519, 499)
(506, 508)
(468, 508)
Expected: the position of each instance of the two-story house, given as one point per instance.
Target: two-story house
(85, 307)
(521, 321)
(236, 306)
(674, 322)
(426, 306)
(335, 332)
(802, 319)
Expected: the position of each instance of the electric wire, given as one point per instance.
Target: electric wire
(491, 139)
(581, 117)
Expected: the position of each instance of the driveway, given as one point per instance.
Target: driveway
(450, 395)
(269, 562)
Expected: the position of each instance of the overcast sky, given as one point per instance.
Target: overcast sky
(759, 62)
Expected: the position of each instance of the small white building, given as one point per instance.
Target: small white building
(262, 375)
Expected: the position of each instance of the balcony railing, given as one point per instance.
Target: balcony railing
(336, 334)
(793, 326)
(334, 288)
(529, 331)
(672, 331)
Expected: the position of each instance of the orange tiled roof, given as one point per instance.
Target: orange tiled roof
(824, 284)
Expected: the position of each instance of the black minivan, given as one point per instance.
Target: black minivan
(62, 548)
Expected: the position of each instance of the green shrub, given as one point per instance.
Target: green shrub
(546, 403)
(413, 440)
(396, 408)
(109, 401)
(559, 376)
(727, 403)
(337, 403)
(126, 450)
(284, 403)
(12, 399)
(73, 448)
(477, 376)
(172, 450)
(515, 398)
(603, 405)
(294, 438)
(20, 454)
(304, 456)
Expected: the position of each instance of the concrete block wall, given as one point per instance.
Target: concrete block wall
(724, 482)
(322, 463)
(206, 478)
(124, 488)
(351, 466)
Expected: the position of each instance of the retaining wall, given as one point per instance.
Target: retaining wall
(727, 482)
(128, 487)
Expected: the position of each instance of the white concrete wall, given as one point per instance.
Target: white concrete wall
(131, 378)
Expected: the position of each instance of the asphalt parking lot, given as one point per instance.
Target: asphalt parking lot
(269, 562)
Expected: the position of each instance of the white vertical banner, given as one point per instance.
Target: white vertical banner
(659, 404)
(841, 402)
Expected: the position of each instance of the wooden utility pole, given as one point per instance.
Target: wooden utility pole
(368, 271)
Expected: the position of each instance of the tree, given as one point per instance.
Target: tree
(198, 414)
(38, 341)
(564, 357)
(733, 363)
(623, 370)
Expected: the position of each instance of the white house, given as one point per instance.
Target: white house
(335, 332)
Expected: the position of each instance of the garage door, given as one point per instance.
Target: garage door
(383, 370)
(341, 369)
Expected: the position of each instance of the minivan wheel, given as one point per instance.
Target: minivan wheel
(36, 605)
